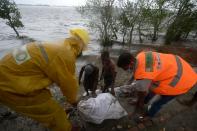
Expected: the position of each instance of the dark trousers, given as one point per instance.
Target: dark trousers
(156, 106)
(108, 81)
(195, 95)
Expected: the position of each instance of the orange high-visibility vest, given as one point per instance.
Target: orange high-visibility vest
(171, 75)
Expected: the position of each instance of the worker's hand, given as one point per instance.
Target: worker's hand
(69, 106)
(75, 103)
(68, 109)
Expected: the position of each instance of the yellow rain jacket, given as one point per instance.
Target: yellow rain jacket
(26, 72)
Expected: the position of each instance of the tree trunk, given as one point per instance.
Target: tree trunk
(12, 26)
(139, 31)
(155, 32)
(15, 31)
(131, 36)
(123, 38)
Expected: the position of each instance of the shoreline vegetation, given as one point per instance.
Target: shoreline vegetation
(115, 20)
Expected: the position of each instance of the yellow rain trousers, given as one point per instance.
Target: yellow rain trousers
(26, 73)
(39, 106)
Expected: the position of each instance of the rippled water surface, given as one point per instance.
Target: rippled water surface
(45, 23)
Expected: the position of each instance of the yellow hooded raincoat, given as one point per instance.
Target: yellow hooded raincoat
(26, 73)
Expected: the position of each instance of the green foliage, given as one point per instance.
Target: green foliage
(185, 21)
(156, 16)
(10, 12)
(102, 19)
(128, 16)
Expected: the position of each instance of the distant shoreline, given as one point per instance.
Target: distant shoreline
(43, 5)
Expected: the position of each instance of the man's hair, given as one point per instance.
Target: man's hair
(125, 59)
(104, 54)
(89, 69)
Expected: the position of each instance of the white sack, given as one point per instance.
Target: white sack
(104, 106)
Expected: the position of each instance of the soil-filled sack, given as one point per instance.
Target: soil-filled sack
(104, 106)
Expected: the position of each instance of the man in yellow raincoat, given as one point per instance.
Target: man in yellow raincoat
(26, 73)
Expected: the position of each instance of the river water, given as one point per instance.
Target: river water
(45, 23)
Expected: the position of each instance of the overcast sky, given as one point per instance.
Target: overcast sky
(52, 2)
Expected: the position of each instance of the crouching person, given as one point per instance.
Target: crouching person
(108, 72)
(26, 73)
(90, 80)
(160, 74)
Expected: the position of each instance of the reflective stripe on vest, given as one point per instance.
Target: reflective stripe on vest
(148, 62)
(158, 61)
(177, 77)
(154, 85)
(44, 54)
